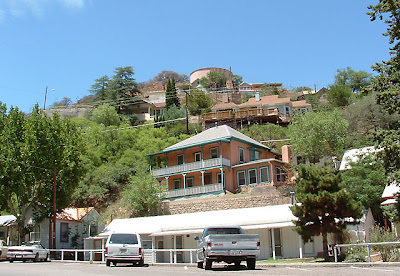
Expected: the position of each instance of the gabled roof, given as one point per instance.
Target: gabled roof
(74, 214)
(223, 106)
(265, 100)
(215, 134)
(300, 103)
(7, 220)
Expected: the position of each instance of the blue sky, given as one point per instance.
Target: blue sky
(67, 44)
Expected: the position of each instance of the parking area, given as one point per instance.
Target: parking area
(81, 269)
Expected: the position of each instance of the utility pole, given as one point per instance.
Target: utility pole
(45, 96)
(54, 208)
(187, 114)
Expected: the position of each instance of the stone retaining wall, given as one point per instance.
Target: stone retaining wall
(255, 198)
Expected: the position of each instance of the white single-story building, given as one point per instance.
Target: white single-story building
(272, 223)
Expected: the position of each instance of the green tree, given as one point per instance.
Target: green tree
(199, 103)
(325, 206)
(106, 115)
(99, 88)
(165, 75)
(268, 89)
(33, 149)
(65, 102)
(302, 88)
(318, 134)
(143, 196)
(365, 180)
(214, 80)
(171, 97)
(339, 95)
(237, 80)
(357, 81)
(267, 132)
(365, 117)
(387, 86)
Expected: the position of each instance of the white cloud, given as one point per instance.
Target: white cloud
(37, 8)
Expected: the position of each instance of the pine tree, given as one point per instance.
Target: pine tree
(325, 207)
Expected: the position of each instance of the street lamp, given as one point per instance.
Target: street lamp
(45, 97)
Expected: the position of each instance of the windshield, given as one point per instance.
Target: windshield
(124, 239)
(223, 231)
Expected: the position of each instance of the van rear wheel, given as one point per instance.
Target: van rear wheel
(208, 264)
(108, 262)
(199, 264)
(251, 264)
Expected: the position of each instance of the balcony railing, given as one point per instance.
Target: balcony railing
(197, 190)
(215, 162)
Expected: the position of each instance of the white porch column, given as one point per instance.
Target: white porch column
(175, 249)
(184, 183)
(202, 182)
(153, 246)
(273, 243)
(222, 177)
(300, 247)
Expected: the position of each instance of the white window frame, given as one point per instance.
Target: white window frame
(195, 156)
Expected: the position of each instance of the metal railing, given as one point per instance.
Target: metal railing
(150, 255)
(368, 245)
(215, 162)
(196, 190)
(77, 254)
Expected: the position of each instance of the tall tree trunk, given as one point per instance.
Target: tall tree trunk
(325, 245)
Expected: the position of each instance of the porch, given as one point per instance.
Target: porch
(187, 167)
(197, 190)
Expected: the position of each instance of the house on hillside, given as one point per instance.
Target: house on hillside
(266, 109)
(215, 161)
(252, 88)
(72, 226)
(145, 110)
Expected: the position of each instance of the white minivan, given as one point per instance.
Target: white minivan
(124, 248)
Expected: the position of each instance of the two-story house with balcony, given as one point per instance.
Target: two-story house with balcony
(217, 160)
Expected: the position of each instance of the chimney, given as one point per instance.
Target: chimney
(257, 96)
(286, 154)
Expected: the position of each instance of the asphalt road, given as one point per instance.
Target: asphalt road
(85, 269)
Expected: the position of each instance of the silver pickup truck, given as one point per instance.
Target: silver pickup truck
(228, 244)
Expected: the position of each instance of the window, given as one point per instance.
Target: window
(189, 182)
(287, 110)
(94, 230)
(179, 159)
(2, 235)
(280, 174)
(64, 232)
(241, 155)
(197, 156)
(177, 183)
(214, 153)
(252, 176)
(219, 178)
(241, 178)
(264, 175)
(254, 155)
(207, 178)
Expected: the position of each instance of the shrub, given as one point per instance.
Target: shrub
(388, 252)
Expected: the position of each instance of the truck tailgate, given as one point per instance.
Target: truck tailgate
(234, 242)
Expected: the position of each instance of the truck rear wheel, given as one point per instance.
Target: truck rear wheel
(199, 264)
(208, 264)
(251, 264)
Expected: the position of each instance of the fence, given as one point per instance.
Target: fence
(368, 245)
(150, 255)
